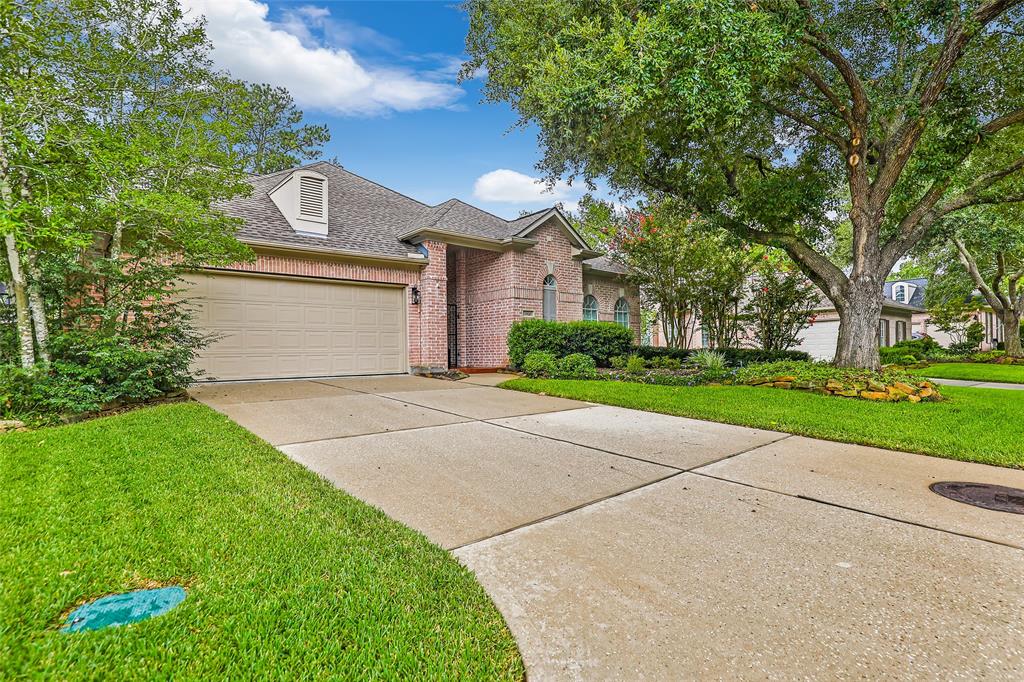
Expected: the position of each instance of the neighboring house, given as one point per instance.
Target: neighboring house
(821, 338)
(353, 278)
(912, 291)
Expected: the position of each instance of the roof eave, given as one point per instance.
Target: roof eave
(341, 254)
(467, 240)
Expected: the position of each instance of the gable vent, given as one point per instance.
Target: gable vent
(311, 197)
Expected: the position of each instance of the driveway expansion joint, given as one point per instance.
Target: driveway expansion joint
(837, 505)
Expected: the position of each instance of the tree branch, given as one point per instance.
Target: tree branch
(972, 269)
(810, 123)
(902, 144)
(842, 108)
(997, 124)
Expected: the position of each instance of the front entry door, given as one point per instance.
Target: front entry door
(453, 336)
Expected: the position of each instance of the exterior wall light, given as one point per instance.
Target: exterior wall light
(415, 296)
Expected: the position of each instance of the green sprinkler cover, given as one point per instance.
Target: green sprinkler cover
(121, 609)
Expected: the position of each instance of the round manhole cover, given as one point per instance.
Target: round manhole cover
(121, 609)
(984, 495)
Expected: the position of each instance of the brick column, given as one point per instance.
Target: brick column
(433, 313)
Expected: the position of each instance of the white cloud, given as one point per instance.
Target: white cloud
(510, 186)
(253, 48)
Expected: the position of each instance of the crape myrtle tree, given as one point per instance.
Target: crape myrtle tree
(692, 275)
(792, 123)
(780, 303)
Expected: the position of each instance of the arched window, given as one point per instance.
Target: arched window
(590, 308)
(550, 298)
(622, 312)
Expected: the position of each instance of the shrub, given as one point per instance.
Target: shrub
(987, 356)
(891, 355)
(665, 363)
(617, 361)
(539, 363)
(708, 360)
(635, 364)
(599, 340)
(822, 372)
(90, 370)
(734, 357)
(527, 336)
(576, 366)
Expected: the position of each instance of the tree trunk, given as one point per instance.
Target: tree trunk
(859, 318)
(25, 342)
(37, 307)
(1011, 333)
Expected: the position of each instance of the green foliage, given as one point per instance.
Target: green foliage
(665, 362)
(972, 338)
(576, 366)
(540, 363)
(268, 134)
(92, 370)
(830, 130)
(635, 364)
(821, 372)
(617, 361)
(599, 340)
(735, 357)
(708, 360)
(780, 303)
(685, 269)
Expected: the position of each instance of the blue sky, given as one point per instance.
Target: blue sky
(382, 76)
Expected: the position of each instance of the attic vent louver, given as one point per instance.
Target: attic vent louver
(311, 198)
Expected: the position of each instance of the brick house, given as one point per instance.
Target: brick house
(353, 278)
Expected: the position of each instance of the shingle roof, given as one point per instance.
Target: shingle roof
(605, 264)
(363, 216)
(917, 298)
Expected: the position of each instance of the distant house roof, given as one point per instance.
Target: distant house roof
(916, 298)
(365, 217)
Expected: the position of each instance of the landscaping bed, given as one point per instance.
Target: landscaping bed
(890, 385)
(287, 577)
(971, 424)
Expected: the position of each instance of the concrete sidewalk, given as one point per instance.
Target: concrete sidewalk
(621, 544)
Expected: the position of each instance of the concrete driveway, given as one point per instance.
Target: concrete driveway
(627, 545)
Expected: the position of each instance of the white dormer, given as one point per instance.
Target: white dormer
(902, 292)
(302, 200)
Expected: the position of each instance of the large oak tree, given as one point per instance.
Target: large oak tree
(840, 131)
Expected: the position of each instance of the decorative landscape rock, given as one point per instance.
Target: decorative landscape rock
(11, 425)
(870, 389)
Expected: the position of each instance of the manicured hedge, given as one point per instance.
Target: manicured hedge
(599, 340)
(733, 356)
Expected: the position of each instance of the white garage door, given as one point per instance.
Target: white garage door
(271, 327)
(820, 340)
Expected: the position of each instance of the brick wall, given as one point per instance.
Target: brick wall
(552, 255)
(607, 291)
(433, 310)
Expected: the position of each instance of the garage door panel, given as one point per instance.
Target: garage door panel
(275, 327)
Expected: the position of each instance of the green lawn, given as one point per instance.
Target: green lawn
(976, 425)
(976, 371)
(287, 577)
